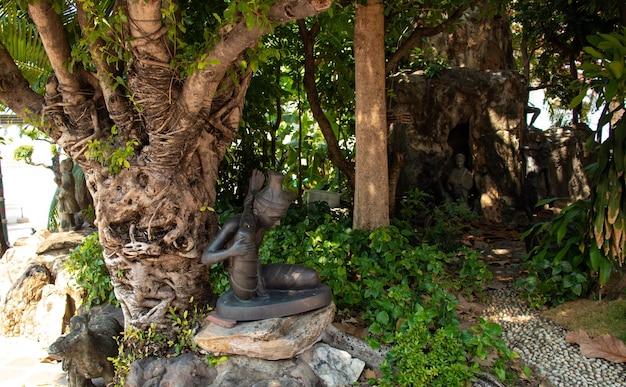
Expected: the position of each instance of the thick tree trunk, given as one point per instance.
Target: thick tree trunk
(371, 199)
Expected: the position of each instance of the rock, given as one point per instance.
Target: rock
(461, 111)
(188, 370)
(356, 347)
(185, 370)
(34, 286)
(334, 366)
(17, 315)
(270, 339)
(52, 308)
(244, 371)
(59, 241)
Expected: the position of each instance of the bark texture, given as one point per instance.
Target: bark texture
(158, 140)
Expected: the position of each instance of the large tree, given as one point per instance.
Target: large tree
(146, 97)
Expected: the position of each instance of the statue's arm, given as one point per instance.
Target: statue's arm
(215, 251)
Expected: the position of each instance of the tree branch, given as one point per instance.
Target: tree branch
(235, 40)
(15, 92)
(148, 31)
(116, 102)
(334, 152)
(57, 46)
(419, 33)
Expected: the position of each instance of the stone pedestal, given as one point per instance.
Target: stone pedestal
(277, 303)
(269, 339)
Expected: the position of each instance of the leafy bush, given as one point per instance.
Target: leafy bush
(444, 356)
(86, 266)
(390, 280)
(565, 261)
(438, 224)
(385, 267)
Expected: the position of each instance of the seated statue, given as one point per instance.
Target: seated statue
(238, 241)
(460, 181)
(67, 205)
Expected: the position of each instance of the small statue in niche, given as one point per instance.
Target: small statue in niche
(460, 181)
(67, 205)
(258, 290)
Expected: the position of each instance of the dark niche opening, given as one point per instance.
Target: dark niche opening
(458, 140)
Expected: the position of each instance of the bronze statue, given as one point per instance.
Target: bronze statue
(461, 180)
(237, 244)
(67, 205)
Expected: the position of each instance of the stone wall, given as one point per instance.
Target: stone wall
(477, 113)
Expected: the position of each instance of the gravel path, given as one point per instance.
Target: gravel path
(541, 345)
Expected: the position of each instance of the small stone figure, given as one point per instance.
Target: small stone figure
(86, 349)
(460, 181)
(237, 244)
(67, 205)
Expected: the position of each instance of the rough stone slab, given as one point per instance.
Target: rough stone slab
(270, 339)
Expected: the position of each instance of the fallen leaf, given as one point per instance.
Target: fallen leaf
(604, 346)
(467, 306)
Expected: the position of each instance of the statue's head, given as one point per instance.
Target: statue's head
(272, 202)
(67, 165)
(460, 160)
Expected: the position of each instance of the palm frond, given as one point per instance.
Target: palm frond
(19, 37)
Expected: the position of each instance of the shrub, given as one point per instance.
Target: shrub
(443, 356)
(564, 262)
(86, 266)
(385, 267)
(438, 224)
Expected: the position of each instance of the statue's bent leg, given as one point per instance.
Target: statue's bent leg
(284, 276)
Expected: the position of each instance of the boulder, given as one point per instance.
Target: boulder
(270, 339)
(36, 296)
(185, 370)
(20, 304)
(321, 365)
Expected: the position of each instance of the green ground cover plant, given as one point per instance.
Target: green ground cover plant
(403, 289)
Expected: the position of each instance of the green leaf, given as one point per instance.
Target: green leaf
(593, 52)
(578, 99)
(595, 256)
(375, 329)
(616, 67)
(605, 270)
(611, 89)
(577, 289)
